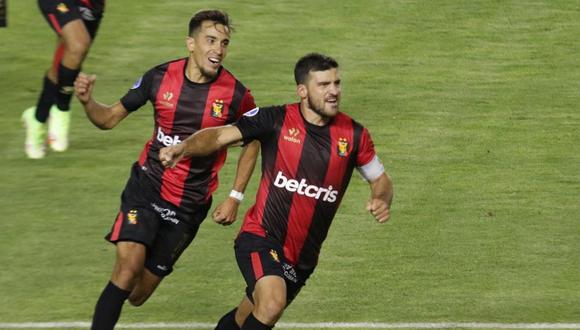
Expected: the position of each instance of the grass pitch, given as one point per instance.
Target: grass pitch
(473, 106)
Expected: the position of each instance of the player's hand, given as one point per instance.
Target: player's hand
(170, 156)
(379, 209)
(225, 213)
(84, 87)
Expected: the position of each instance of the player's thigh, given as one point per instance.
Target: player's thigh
(59, 13)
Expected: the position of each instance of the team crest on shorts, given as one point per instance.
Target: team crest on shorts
(132, 217)
(217, 108)
(274, 255)
(61, 7)
(342, 147)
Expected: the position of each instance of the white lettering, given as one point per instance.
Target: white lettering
(167, 140)
(303, 188)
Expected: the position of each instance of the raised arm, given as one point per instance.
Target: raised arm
(226, 212)
(381, 197)
(101, 115)
(202, 143)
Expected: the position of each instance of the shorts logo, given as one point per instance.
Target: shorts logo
(292, 135)
(87, 14)
(166, 214)
(132, 217)
(162, 267)
(342, 147)
(61, 7)
(274, 255)
(217, 108)
(303, 188)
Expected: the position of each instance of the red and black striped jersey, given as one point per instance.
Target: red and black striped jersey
(305, 172)
(181, 108)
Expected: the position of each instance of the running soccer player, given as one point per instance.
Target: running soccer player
(76, 23)
(162, 209)
(309, 151)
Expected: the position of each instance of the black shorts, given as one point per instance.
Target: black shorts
(165, 229)
(60, 12)
(260, 256)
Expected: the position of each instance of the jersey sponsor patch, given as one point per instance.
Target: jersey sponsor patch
(252, 112)
(137, 83)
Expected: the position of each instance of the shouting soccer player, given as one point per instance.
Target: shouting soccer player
(309, 151)
(76, 23)
(162, 209)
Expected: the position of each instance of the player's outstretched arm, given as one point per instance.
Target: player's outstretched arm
(381, 197)
(202, 143)
(225, 213)
(101, 115)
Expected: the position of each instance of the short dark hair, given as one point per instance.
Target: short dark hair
(312, 62)
(215, 15)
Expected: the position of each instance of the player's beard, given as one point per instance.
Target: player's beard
(319, 109)
(209, 74)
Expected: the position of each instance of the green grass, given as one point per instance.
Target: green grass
(473, 106)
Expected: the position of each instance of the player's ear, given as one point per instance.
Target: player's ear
(190, 43)
(302, 91)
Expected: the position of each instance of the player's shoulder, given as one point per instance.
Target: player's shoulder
(226, 74)
(162, 67)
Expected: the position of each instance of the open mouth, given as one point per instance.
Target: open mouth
(214, 60)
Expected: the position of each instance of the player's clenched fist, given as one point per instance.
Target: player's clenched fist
(170, 156)
(84, 86)
(379, 209)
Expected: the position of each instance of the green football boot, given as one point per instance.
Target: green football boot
(58, 128)
(34, 145)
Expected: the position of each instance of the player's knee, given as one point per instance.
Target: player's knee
(78, 48)
(271, 309)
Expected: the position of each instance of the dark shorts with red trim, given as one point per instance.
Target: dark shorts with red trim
(165, 229)
(259, 256)
(60, 12)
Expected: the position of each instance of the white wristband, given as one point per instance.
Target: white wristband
(237, 195)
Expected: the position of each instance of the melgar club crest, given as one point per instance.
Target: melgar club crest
(342, 147)
(217, 108)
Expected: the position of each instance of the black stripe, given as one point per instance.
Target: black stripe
(275, 202)
(233, 113)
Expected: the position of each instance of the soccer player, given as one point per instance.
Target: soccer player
(162, 209)
(76, 23)
(309, 150)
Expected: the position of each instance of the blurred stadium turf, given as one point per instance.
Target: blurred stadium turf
(474, 109)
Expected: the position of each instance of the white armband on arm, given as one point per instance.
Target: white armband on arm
(372, 170)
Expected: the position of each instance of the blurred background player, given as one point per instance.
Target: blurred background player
(76, 23)
(309, 151)
(162, 209)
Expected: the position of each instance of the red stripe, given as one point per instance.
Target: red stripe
(173, 180)
(257, 265)
(54, 23)
(117, 227)
(145, 152)
(57, 57)
(220, 92)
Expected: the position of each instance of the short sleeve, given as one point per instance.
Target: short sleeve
(366, 149)
(247, 103)
(256, 124)
(138, 95)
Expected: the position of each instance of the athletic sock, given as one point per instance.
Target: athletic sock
(46, 99)
(228, 321)
(109, 307)
(252, 323)
(66, 79)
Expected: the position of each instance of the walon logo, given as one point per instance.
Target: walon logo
(293, 135)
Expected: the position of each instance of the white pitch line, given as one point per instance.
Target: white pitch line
(294, 325)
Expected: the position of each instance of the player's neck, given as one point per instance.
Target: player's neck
(312, 116)
(193, 73)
